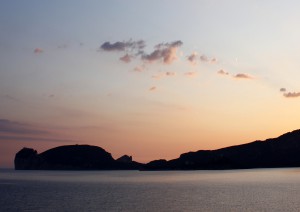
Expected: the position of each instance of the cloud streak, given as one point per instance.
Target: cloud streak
(124, 46)
(291, 94)
(16, 131)
(282, 90)
(157, 76)
(170, 73)
(131, 48)
(28, 138)
(8, 97)
(190, 74)
(139, 69)
(117, 46)
(38, 50)
(62, 46)
(242, 76)
(239, 76)
(7, 126)
(152, 88)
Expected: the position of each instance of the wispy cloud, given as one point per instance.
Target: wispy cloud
(167, 106)
(157, 76)
(170, 73)
(117, 46)
(131, 48)
(289, 94)
(62, 46)
(242, 76)
(166, 52)
(237, 76)
(139, 68)
(213, 60)
(123, 46)
(192, 58)
(204, 58)
(222, 72)
(152, 88)
(16, 131)
(8, 97)
(190, 74)
(7, 126)
(161, 75)
(282, 90)
(38, 50)
(292, 94)
(126, 58)
(28, 138)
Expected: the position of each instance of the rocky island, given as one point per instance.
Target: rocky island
(72, 157)
(283, 151)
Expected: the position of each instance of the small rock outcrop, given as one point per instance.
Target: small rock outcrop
(26, 159)
(125, 159)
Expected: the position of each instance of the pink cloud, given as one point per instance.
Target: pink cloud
(222, 72)
(139, 68)
(242, 76)
(167, 52)
(192, 58)
(38, 51)
(213, 60)
(204, 58)
(292, 94)
(126, 58)
(156, 77)
(169, 73)
(152, 88)
(170, 55)
(282, 90)
(190, 74)
(124, 45)
(63, 46)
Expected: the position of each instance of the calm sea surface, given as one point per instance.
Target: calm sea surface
(239, 190)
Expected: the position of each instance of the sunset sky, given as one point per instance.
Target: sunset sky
(151, 79)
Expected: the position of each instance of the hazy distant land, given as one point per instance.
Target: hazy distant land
(282, 151)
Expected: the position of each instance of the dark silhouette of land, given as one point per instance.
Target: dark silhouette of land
(72, 157)
(283, 151)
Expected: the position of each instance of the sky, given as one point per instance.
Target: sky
(151, 79)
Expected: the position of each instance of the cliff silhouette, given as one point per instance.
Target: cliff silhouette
(283, 151)
(72, 157)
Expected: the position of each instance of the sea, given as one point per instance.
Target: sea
(229, 190)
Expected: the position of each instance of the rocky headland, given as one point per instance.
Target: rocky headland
(283, 151)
